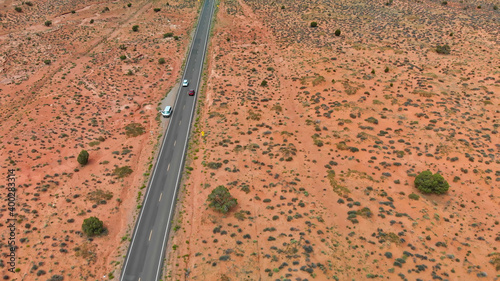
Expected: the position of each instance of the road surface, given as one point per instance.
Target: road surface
(144, 260)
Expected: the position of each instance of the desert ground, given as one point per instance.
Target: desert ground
(74, 76)
(319, 137)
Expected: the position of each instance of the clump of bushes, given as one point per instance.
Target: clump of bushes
(427, 182)
(221, 200)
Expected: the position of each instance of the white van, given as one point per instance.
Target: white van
(167, 112)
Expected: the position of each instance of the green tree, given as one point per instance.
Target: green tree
(161, 61)
(93, 226)
(427, 182)
(48, 23)
(83, 157)
(135, 28)
(337, 32)
(221, 200)
(314, 24)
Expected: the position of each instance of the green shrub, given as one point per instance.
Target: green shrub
(92, 21)
(18, 9)
(135, 28)
(314, 24)
(168, 34)
(47, 62)
(93, 226)
(263, 83)
(161, 61)
(443, 49)
(28, 3)
(122, 57)
(427, 182)
(48, 23)
(221, 200)
(129, 5)
(157, 10)
(337, 32)
(83, 157)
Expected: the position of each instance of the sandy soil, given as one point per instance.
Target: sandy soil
(79, 83)
(322, 159)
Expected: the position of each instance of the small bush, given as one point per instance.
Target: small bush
(176, 37)
(314, 24)
(443, 49)
(221, 200)
(83, 157)
(161, 61)
(427, 182)
(18, 9)
(48, 23)
(28, 3)
(157, 10)
(444, 3)
(47, 62)
(92, 226)
(263, 83)
(92, 21)
(129, 5)
(414, 196)
(122, 57)
(386, 69)
(337, 32)
(168, 34)
(135, 28)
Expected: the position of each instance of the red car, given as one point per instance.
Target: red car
(191, 92)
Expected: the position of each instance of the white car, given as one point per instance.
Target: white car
(185, 83)
(167, 112)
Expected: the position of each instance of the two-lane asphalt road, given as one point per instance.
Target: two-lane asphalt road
(146, 253)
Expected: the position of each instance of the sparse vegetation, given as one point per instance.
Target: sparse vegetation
(134, 130)
(121, 172)
(443, 49)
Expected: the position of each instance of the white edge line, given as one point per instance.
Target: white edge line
(185, 145)
(154, 172)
